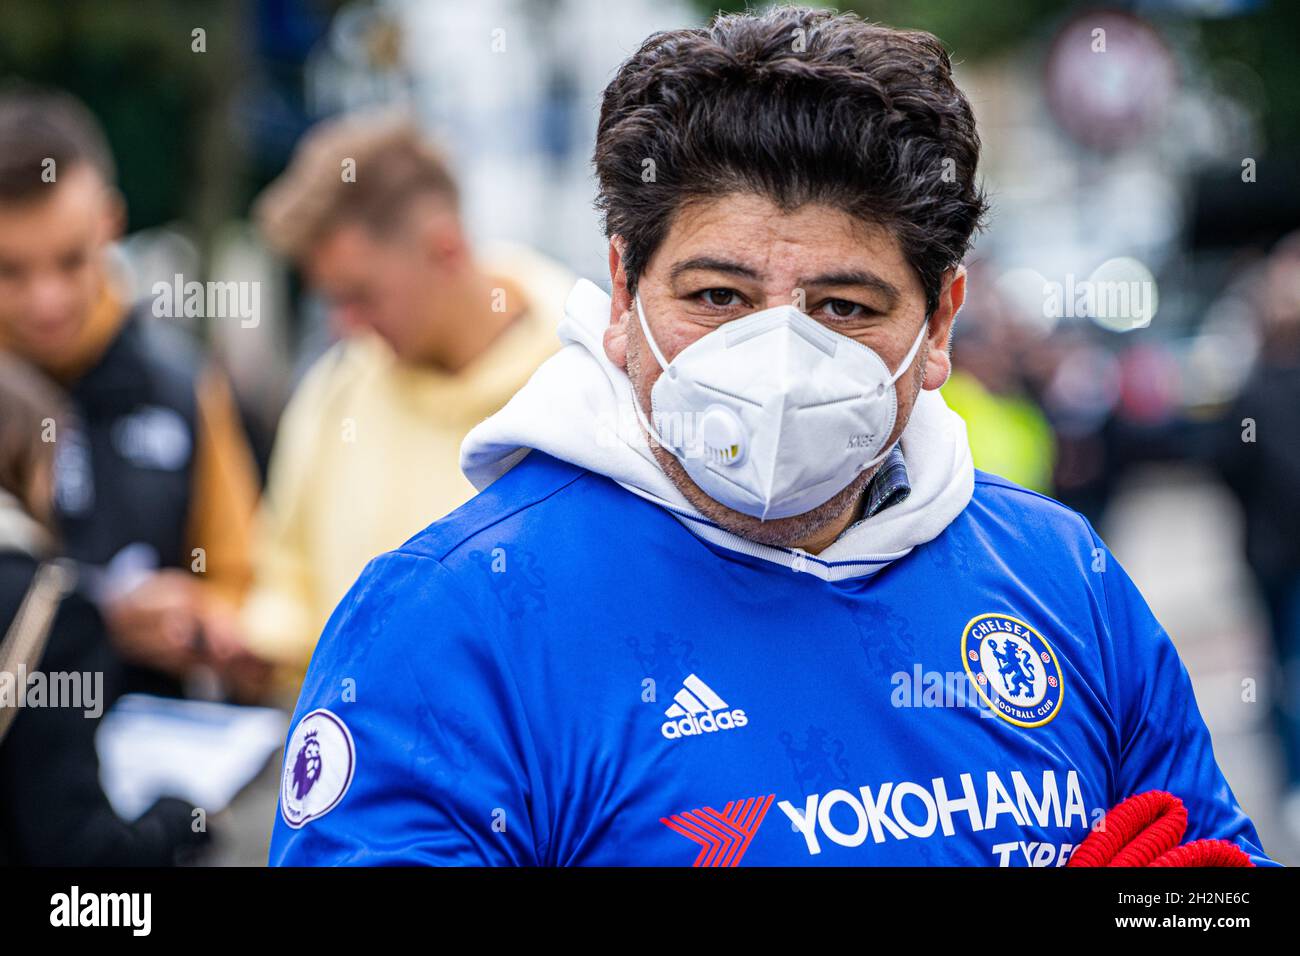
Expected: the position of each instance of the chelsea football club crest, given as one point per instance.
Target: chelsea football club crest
(1014, 669)
(318, 767)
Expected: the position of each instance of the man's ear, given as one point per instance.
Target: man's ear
(938, 364)
(442, 237)
(620, 305)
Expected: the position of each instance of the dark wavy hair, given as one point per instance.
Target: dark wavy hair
(801, 106)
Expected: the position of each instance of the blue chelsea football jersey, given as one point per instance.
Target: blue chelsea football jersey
(561, 673)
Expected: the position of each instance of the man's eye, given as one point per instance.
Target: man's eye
(843, 308)
(721, 298)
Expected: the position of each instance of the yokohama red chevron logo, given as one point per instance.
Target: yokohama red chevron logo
(723, 837)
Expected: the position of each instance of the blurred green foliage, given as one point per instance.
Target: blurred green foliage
(1265, 42)
(1262, 40)
(133, 64)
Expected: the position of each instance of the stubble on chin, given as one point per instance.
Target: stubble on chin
(777, 532)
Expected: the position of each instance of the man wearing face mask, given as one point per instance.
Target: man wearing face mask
(732, 591)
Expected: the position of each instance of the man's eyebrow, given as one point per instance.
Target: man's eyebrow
(712, 265)
(855, 277)
(851, 277)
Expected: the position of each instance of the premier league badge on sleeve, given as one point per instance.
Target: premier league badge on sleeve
(318, 767)
(1014, 669)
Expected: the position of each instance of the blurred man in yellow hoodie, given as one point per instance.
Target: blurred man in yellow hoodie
(437, 335)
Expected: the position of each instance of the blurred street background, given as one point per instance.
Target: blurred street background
(1149, 147)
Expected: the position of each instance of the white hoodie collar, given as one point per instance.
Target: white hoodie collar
(578, 407)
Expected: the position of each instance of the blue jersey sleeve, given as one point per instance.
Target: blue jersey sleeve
(407, 745)
(1164, 742)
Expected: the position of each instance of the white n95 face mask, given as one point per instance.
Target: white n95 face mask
(773, 414)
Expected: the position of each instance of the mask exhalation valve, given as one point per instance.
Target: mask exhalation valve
(722, 435)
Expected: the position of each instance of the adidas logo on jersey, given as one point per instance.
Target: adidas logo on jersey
(696, 710)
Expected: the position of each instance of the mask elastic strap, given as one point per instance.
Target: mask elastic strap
(911, 353)
(645, 423)
(645, 329)
(659, 357)
(902, 368)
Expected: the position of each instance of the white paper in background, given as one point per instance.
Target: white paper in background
(199, 751)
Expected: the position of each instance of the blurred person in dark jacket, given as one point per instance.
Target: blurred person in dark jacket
(156, 478)
(1259, 457)
(52, 808)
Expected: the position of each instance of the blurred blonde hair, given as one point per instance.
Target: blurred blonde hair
(392, 160)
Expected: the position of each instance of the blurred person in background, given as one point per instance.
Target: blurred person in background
(1008, 433)
(436, 335)
(52, 808)
(1259, 457)
(156, 478)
